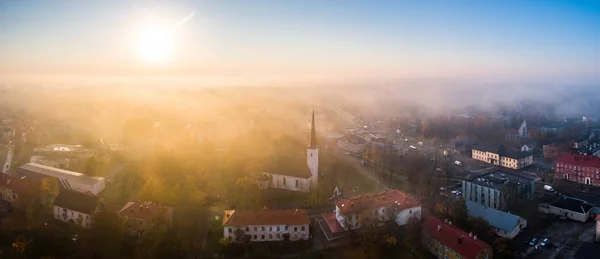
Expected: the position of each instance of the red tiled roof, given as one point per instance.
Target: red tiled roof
(265, 217)
(15, 184)
(384, 199)
(449, 235)
(579, 160)
(332, 223)
(145, 211)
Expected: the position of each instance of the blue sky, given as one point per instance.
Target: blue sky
(539, 40)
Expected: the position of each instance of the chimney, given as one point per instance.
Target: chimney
(470, 234)
(439, 227)
(450, 222)
(459, 240)
(446, 221)
(475, 237)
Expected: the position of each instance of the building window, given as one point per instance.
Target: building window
(283, 180)
(278, 236)
(262, 229)
(286, 227)
(270, 236)
(247, 229)
(262, 237)
(295, 229)
(270, 228)
(277, 228)
(229, 230)
(296, 182)
(409, 211)
(254, 237)
(255, 229)
(303, 228)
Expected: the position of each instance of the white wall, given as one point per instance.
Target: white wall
(561, 212)
(270, 232)
(79, 218)
(403, 216)
(277, 181)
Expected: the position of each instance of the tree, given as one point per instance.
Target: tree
(95, 166)
(412, 235)
(502, 249)
(50, 188)
(459, 213)
(368, 232)
(480, 227)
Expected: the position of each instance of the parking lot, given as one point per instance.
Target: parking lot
(564, 236)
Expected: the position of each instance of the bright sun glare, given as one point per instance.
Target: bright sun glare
(155, 41)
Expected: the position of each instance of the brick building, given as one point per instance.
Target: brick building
(583, 169)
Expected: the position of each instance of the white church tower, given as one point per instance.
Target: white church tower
(312, 154)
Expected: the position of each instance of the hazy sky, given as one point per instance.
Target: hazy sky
(539, 40)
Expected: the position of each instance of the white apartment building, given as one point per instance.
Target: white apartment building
(498, 156)
(265, 225)
(75, 207)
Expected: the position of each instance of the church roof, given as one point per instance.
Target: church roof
(289, 166)
(313, 133)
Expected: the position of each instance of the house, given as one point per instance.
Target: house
(568, 207)
(498, 155)
(75, 207)
(445, 240)
(554, 150)
(265, 225)
(520, 134)
(505, 224)
(499, 190)
(352, 144)
(292, 174)
(583, 169)
(11, 187)
(68, 179)
(141, 216)
(529, 146)
(8, 133)
(385, 206)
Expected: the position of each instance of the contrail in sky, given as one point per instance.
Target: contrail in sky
(184, 20)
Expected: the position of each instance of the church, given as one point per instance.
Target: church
(295, 177)
(518, 135)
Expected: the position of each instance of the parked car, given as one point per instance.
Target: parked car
(544, 242)
(533, 241)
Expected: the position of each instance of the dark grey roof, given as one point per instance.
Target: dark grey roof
(572, 204)
(77, 201)
(289, 166)
(517, 154)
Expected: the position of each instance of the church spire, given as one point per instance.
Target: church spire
(313, 134)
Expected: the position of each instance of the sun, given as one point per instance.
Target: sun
(155, 41)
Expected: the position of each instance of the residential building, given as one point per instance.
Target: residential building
(390, 205)
(352, 144)
(142, 216)
(8, 133)
(291, 174)
(498, 190)
(554, 150)
(266, 225)
(520, 134)
(75, 207)
(445, 240)
(583, 169)
(504, 224)
(11, 187)
(68, 179)
(498, 155)
(529, 146)
(568, 207)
